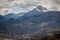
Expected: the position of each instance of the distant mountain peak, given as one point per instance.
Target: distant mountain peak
(41, 8)
(37, 10)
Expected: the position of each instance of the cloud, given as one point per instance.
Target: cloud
(15, 5)
(51, 4)
(26, 5)
(57, 2)
(5, 11)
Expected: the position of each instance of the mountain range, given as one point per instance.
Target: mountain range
(31, 22)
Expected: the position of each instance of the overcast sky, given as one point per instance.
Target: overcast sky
(18, 6)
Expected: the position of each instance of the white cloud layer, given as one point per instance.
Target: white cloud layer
(9, 6)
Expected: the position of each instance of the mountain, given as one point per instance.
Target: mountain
(51, 17)
(12, 15)
(31, 22)
(37, 10)
(2, 18)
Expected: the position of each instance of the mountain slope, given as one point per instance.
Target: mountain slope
(32, 22)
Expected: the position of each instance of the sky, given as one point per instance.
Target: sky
(18, 6)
